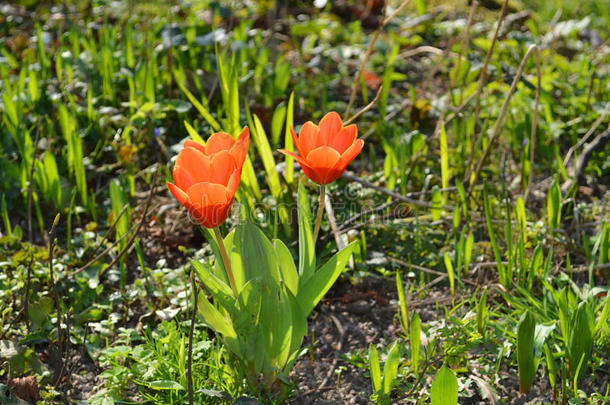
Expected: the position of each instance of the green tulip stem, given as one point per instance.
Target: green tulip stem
(225, 260)
(316, 227)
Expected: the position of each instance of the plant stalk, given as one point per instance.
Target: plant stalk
(316, 228)
(190, 352)
(225, 260)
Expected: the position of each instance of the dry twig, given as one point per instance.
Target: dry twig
(480, 85)
(367, 55)
(500, 120)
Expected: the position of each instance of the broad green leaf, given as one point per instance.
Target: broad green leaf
(277, 123)
(307, 253)
(554, 206)
(276, 320)
(246, 319)
(288, 270)
(543, 331)
(374, 368)
(118, 200)
(404, 315)
(288, 143)
(581, 340)
(444, 389)
(604, 245)
(257, 255)
(264, 150)
(299, 329)
(52, 179)
(391, 367)
(551, 367)
(5, 218)
(482, 312)
(437, 202)
(603, 324)
(219, 267)
(520, 213)
(75, 150)
(450, 274)
(312, 290)
(468, 252)
(40, 310)
(218, 288)
(462, 194)
(214, 319)
(525, 351)
(165, 385)
(415, 339)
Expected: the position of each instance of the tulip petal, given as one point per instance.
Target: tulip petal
(233, 182)
(343, 139)
(350, 154)
(296, 157)
(239, 151)
(208, 194)
(296, 141)
(308, 138)
(222, 166)
(210, 203)
(182, 178)
(219, 141)
(192, 144)
(195, 163)
(323, 162)
(180, 195)
(330, 126)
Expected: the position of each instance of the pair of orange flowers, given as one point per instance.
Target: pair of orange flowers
(206, 177)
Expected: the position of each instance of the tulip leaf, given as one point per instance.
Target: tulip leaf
(525, 351)
(391, 368)
(444, 390)
(313, 289)
(307, 253)
(277, 329)
(218, 323)
(219, 268)
(288, 270)
(256, 255)
(374, 368)
(246, 319)
(219, 289)
(299, 329)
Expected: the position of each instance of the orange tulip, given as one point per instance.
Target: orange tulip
(325, 150)
(206, 177)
